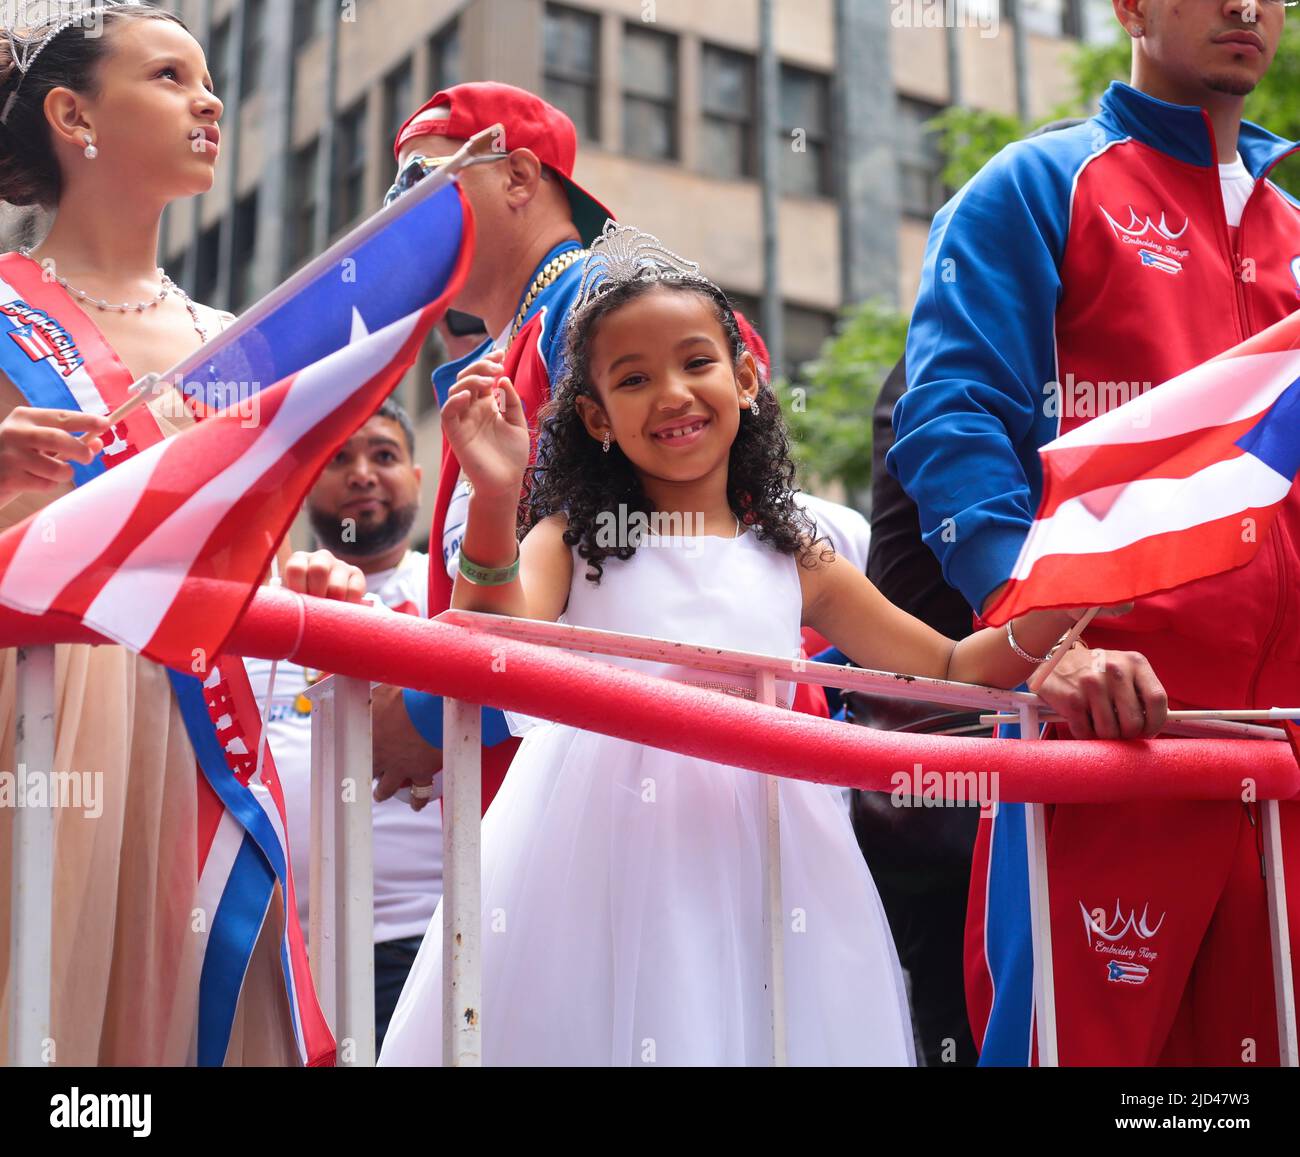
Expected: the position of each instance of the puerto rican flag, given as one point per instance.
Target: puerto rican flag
(33, 343)
(163, 551)
(1122, 972)
(1175, 485)
(399, 256)
(1160, 261)
(162, 554)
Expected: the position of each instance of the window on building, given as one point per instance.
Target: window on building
(243, 280)
(207, 265)
(805, 155)
(976, 13)
(398, 89)
(649, 93)
(571, 66)
(1045, 17)
(219, 59)
(727, 100)
(349, 166)
(254, 50)
(747, 304)
(302, 203)
(308, 20)
(1092, 21)
(920, 159)
(444, 58)
(806, 331)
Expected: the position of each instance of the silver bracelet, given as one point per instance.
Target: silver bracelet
(1019, 650)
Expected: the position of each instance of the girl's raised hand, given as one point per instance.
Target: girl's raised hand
(490, 439)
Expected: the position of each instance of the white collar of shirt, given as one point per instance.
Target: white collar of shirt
(1237, 185)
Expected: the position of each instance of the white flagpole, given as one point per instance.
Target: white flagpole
(485, 145)
(1210, 715)
(478, 148)
(270, 692)
(31, 899)
(148, 386)
(1039, 677)
(773, 903)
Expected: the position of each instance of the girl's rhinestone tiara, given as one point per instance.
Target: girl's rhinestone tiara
(622, 254)
(30, 25)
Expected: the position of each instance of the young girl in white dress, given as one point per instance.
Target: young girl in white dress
(622, 884)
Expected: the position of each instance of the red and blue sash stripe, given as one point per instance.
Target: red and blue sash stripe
(240, 863)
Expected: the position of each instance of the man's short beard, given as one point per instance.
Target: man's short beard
(1231, 85)
(352, 538)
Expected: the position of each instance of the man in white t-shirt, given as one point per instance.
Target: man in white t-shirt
(848, 530)
(362, 509)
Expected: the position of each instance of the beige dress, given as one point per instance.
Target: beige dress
(126, 960)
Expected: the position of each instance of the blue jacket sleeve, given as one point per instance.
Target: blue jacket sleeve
(981, 359)
(425, 712)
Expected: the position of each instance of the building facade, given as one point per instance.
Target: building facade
(666, 97)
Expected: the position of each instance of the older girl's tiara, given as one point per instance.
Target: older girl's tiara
(30, 25)
(622, 254)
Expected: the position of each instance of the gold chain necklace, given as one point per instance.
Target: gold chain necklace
(550, 272)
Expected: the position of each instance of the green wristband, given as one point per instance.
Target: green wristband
(489, 576)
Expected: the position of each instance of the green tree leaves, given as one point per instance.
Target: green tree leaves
(829, 409)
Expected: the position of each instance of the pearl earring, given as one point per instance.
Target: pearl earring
(753, 407)
(605, 444)
(91, 151)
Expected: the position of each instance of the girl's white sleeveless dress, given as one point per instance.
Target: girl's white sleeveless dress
(622, 885)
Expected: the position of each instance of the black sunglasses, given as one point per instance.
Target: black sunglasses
(463, 324)
(419, 167)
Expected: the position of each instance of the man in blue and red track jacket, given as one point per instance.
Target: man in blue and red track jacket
(1076, 270)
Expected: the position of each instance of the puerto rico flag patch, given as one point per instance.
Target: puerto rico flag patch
(1121, 972)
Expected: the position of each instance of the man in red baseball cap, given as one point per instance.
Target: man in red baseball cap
(455, 115)
(531, 222)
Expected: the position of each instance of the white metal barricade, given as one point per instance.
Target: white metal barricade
(773, 905)
(1279, 935)
(342, 880)
(31, 897)
(341, 904)
(462, 929)
(460, 763)
(1040, 913)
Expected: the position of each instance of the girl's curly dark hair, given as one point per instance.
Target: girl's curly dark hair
(574, 476)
